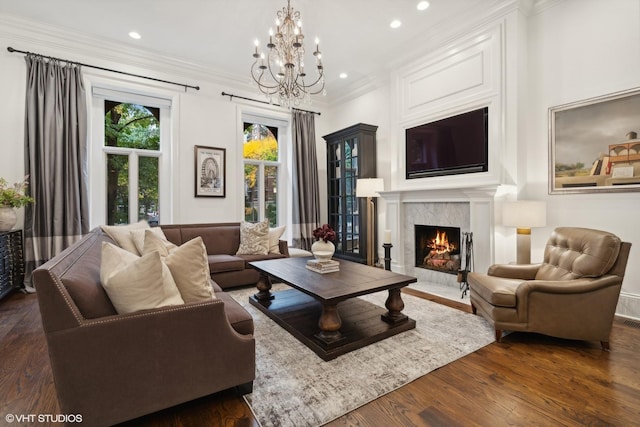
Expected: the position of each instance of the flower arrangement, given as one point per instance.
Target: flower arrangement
(325, 233)
(14, 196)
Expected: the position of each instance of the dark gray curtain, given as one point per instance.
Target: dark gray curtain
(306, 201)
(55, 160)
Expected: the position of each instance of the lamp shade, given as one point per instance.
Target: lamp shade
(369, 187)
(524, 214)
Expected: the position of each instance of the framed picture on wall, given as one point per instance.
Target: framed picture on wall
(594, 145)
(210, 171)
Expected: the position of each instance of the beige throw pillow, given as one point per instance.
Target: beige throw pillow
(138, 237)
(254, 238)
(274, 239)
(154, 243)
(189, 265)
(136, 283)
(121, 234)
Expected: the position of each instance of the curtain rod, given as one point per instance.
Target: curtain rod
(10, 49)
(231, 96)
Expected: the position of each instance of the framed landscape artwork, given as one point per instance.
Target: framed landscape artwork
(594, 145)
(210, 171)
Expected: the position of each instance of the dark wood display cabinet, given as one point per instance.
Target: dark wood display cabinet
(351, 154)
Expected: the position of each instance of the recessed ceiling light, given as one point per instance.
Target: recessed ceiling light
(423, 5)
(395, 23)
(343, 75)
(135, 35)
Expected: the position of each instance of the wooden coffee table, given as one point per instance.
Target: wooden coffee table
(321, 309)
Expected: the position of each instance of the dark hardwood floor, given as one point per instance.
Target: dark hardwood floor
(527, 380)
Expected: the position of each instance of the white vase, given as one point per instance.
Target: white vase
(323, 251)
(8, 218)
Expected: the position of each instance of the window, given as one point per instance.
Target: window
(132, 167)
(261, 166)
(129, 152)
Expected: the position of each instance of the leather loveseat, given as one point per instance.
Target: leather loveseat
(112, 367)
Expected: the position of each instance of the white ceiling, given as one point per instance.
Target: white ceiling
(355, 37)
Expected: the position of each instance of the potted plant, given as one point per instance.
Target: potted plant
(12, 197)
(323, 247)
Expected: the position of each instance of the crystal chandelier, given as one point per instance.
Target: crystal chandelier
(282, 72)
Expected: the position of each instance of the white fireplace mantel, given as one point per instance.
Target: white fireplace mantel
(478, 200)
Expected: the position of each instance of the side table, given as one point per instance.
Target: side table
(11, 261)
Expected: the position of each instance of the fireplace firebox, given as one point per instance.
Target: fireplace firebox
(437, 248)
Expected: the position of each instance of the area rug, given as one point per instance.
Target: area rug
(452, 292)
(295, 387)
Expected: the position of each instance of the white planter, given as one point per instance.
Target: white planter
(8, 218)
(323, 251)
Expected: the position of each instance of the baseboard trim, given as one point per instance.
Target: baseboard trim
(628, 306)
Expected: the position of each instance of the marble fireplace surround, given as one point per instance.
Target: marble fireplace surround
(470, 209)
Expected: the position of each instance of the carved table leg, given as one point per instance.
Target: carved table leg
(395, 305)
(264, 288)
(329, 324)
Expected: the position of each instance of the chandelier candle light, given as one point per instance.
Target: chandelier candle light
(282, 72)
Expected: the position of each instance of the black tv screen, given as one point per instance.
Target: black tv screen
(450, 146)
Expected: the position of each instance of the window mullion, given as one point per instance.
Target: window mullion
(261, 198)
(133, 187)
(125, 151)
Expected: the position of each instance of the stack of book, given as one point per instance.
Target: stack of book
(601, 166)
(323, 267)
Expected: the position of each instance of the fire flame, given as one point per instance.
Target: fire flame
(440, 244)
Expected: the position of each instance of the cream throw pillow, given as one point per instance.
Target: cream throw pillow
(136, 283)
(121, 234)
(188, 263)
(254, 238)
(189, 266)
(274, 239)
(154, 243)
(137, 236)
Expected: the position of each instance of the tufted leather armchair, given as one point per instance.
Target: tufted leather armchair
(572, 294)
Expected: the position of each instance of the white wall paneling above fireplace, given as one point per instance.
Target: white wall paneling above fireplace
(465, 75)
(463, 72)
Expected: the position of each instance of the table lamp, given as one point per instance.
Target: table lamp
(369, 188)
(524, 214)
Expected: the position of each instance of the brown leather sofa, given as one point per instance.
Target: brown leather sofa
(222, 241)
(110, 367)
(572, 294)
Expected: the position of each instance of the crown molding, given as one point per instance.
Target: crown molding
(55, 41)
(359, 87)
(443, 34)
(540, 6)
(73, 46)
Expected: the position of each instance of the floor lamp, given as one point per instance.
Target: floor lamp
(369, 188)
(524, 214)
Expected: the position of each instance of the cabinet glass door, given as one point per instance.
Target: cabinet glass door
(343, 202)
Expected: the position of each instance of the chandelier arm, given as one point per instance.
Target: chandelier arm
(311, 85)
(262, 84)
(269, 62)
(266, 92)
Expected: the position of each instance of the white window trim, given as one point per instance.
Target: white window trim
(100, 88)
(282, 121)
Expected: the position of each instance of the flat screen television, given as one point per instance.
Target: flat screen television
(451, 146)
